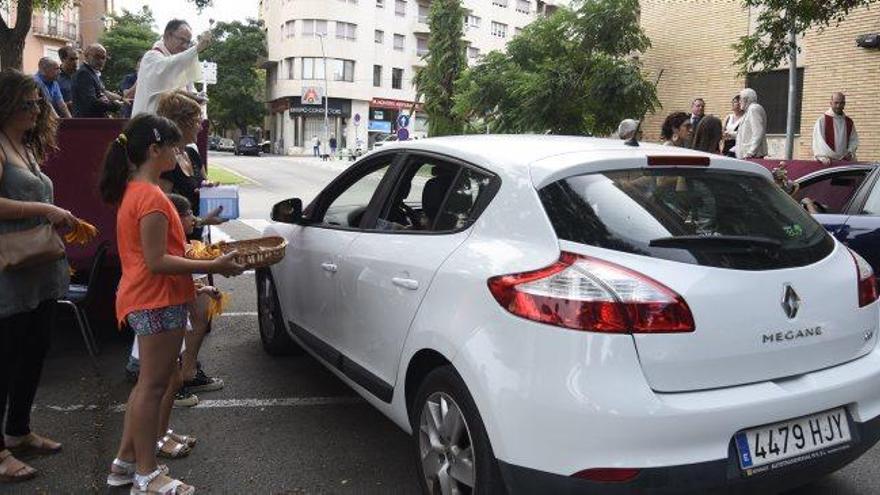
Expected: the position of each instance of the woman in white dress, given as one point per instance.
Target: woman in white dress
(731, 124)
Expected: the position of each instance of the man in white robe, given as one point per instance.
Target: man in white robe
(834, 135)
(751, 137)
(172, 63)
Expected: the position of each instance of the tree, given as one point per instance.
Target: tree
(237, 100)
(570, 73)
(12, 38)
(130, 36)
(774, 39)
(445, 62)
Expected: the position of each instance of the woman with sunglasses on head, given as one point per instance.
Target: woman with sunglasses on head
(28, 129)
(154, 291)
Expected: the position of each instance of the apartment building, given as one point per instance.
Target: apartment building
(372, 48)
(692, 39)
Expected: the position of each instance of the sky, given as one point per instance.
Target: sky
(222, 10)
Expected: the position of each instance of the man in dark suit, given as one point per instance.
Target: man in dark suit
(90, 99)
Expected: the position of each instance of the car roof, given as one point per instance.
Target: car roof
(544, 157)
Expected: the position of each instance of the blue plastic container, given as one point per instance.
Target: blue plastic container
(225, 196)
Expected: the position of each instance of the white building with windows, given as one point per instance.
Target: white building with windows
(372, 48)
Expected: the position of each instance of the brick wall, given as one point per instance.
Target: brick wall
(692, 39)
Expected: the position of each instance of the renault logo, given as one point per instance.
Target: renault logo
(791, 303)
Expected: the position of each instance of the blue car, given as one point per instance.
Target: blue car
(847, 199)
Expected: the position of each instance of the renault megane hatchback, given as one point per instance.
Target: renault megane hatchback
(572, 315)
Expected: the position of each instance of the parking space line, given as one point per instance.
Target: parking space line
(239, 313)
(230, 403)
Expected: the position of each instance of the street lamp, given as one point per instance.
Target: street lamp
(321, 36)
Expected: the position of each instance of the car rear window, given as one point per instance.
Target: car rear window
(703, 211)
(248, 141)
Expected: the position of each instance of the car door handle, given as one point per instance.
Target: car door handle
(406, 283)
(329, 267)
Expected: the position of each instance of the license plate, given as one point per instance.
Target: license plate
(794, 439)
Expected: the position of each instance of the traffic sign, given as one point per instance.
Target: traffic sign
(402, 134)
(403, 120)
(357, 118)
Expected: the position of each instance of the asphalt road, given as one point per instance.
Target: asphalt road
(281, 425)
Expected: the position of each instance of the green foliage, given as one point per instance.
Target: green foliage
(569, 73)
(446, 60)
(12, 38)
(237, 100)
(130, 36)
(769, 44)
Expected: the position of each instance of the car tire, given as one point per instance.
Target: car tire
(273, 334)
(467, 457)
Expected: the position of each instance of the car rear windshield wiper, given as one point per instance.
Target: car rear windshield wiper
(719, 242)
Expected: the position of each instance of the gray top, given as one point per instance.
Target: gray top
(23, 290)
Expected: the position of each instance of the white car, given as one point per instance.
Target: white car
(573, 315)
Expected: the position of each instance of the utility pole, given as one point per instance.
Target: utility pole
(792, 93)
(326, 141)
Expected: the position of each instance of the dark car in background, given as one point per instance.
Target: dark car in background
(847, 199)
(213, 143)
(247, 145)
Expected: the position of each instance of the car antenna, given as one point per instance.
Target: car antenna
(634, 140)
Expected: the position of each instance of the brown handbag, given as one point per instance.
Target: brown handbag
(30, 247)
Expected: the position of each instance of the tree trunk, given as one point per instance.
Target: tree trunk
(11, 50)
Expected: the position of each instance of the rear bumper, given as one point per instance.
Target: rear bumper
(719, 476)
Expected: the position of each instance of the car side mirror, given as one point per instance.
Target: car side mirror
(288, 211)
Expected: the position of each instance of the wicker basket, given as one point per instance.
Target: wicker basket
(256, 253)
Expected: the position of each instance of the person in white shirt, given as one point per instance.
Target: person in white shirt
(172, 63)
(834, 135)
(751, 137)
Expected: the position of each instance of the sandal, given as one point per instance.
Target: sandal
(164, 448)
(11, 474)
(32, 444)
(188, 440)
(122, 472)
(157, 483)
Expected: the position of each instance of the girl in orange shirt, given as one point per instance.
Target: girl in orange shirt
(155, 288)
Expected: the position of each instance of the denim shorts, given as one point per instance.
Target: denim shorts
(153, 321)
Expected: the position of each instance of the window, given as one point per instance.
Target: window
(424, 11)
(400, 7)
(289, 29)
(291, 67)
(377, 76)
(342, 70)
(473, 52)
(398, 42)
(499, 29)
(312, 68)
(379, 36)
(690, 211)
(832, 192)
(517, 31)
(499, 3)
(772, 89)
(346, 30)
(397, 78)
(472, 21)
(523, 6)
(421, 46)
(348, 207)
(380, 4)
(312, 27)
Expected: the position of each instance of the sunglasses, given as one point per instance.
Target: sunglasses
(30, 105)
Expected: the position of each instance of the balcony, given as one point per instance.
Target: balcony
(53, 27)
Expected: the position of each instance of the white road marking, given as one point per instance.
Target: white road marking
(239, 313)
(230, 403)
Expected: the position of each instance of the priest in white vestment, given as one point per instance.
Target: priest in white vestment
(751, 137)
(172, 63)
(834, 135)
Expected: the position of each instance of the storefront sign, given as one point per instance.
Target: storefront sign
(393, 104)
(312, 95)
(336, 107)
(378, 115)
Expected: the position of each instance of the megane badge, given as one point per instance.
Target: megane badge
(791, 303)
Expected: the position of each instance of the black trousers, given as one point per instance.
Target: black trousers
(24, 342)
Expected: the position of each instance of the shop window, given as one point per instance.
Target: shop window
(772, 89)
(397, 78)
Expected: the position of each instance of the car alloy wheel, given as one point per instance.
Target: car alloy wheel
(275, 339)
(446, 447)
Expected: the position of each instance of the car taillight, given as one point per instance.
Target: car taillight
(867, 280)
(585, 293)
(607, 475)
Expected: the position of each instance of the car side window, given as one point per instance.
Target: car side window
(832, 192)
(872, 204)
(458, 209)
(351, 203)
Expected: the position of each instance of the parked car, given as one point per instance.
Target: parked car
(247, 145)
(848, 201)
(572, 315)
(384, 139)
(213, 142)
(226, 144)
